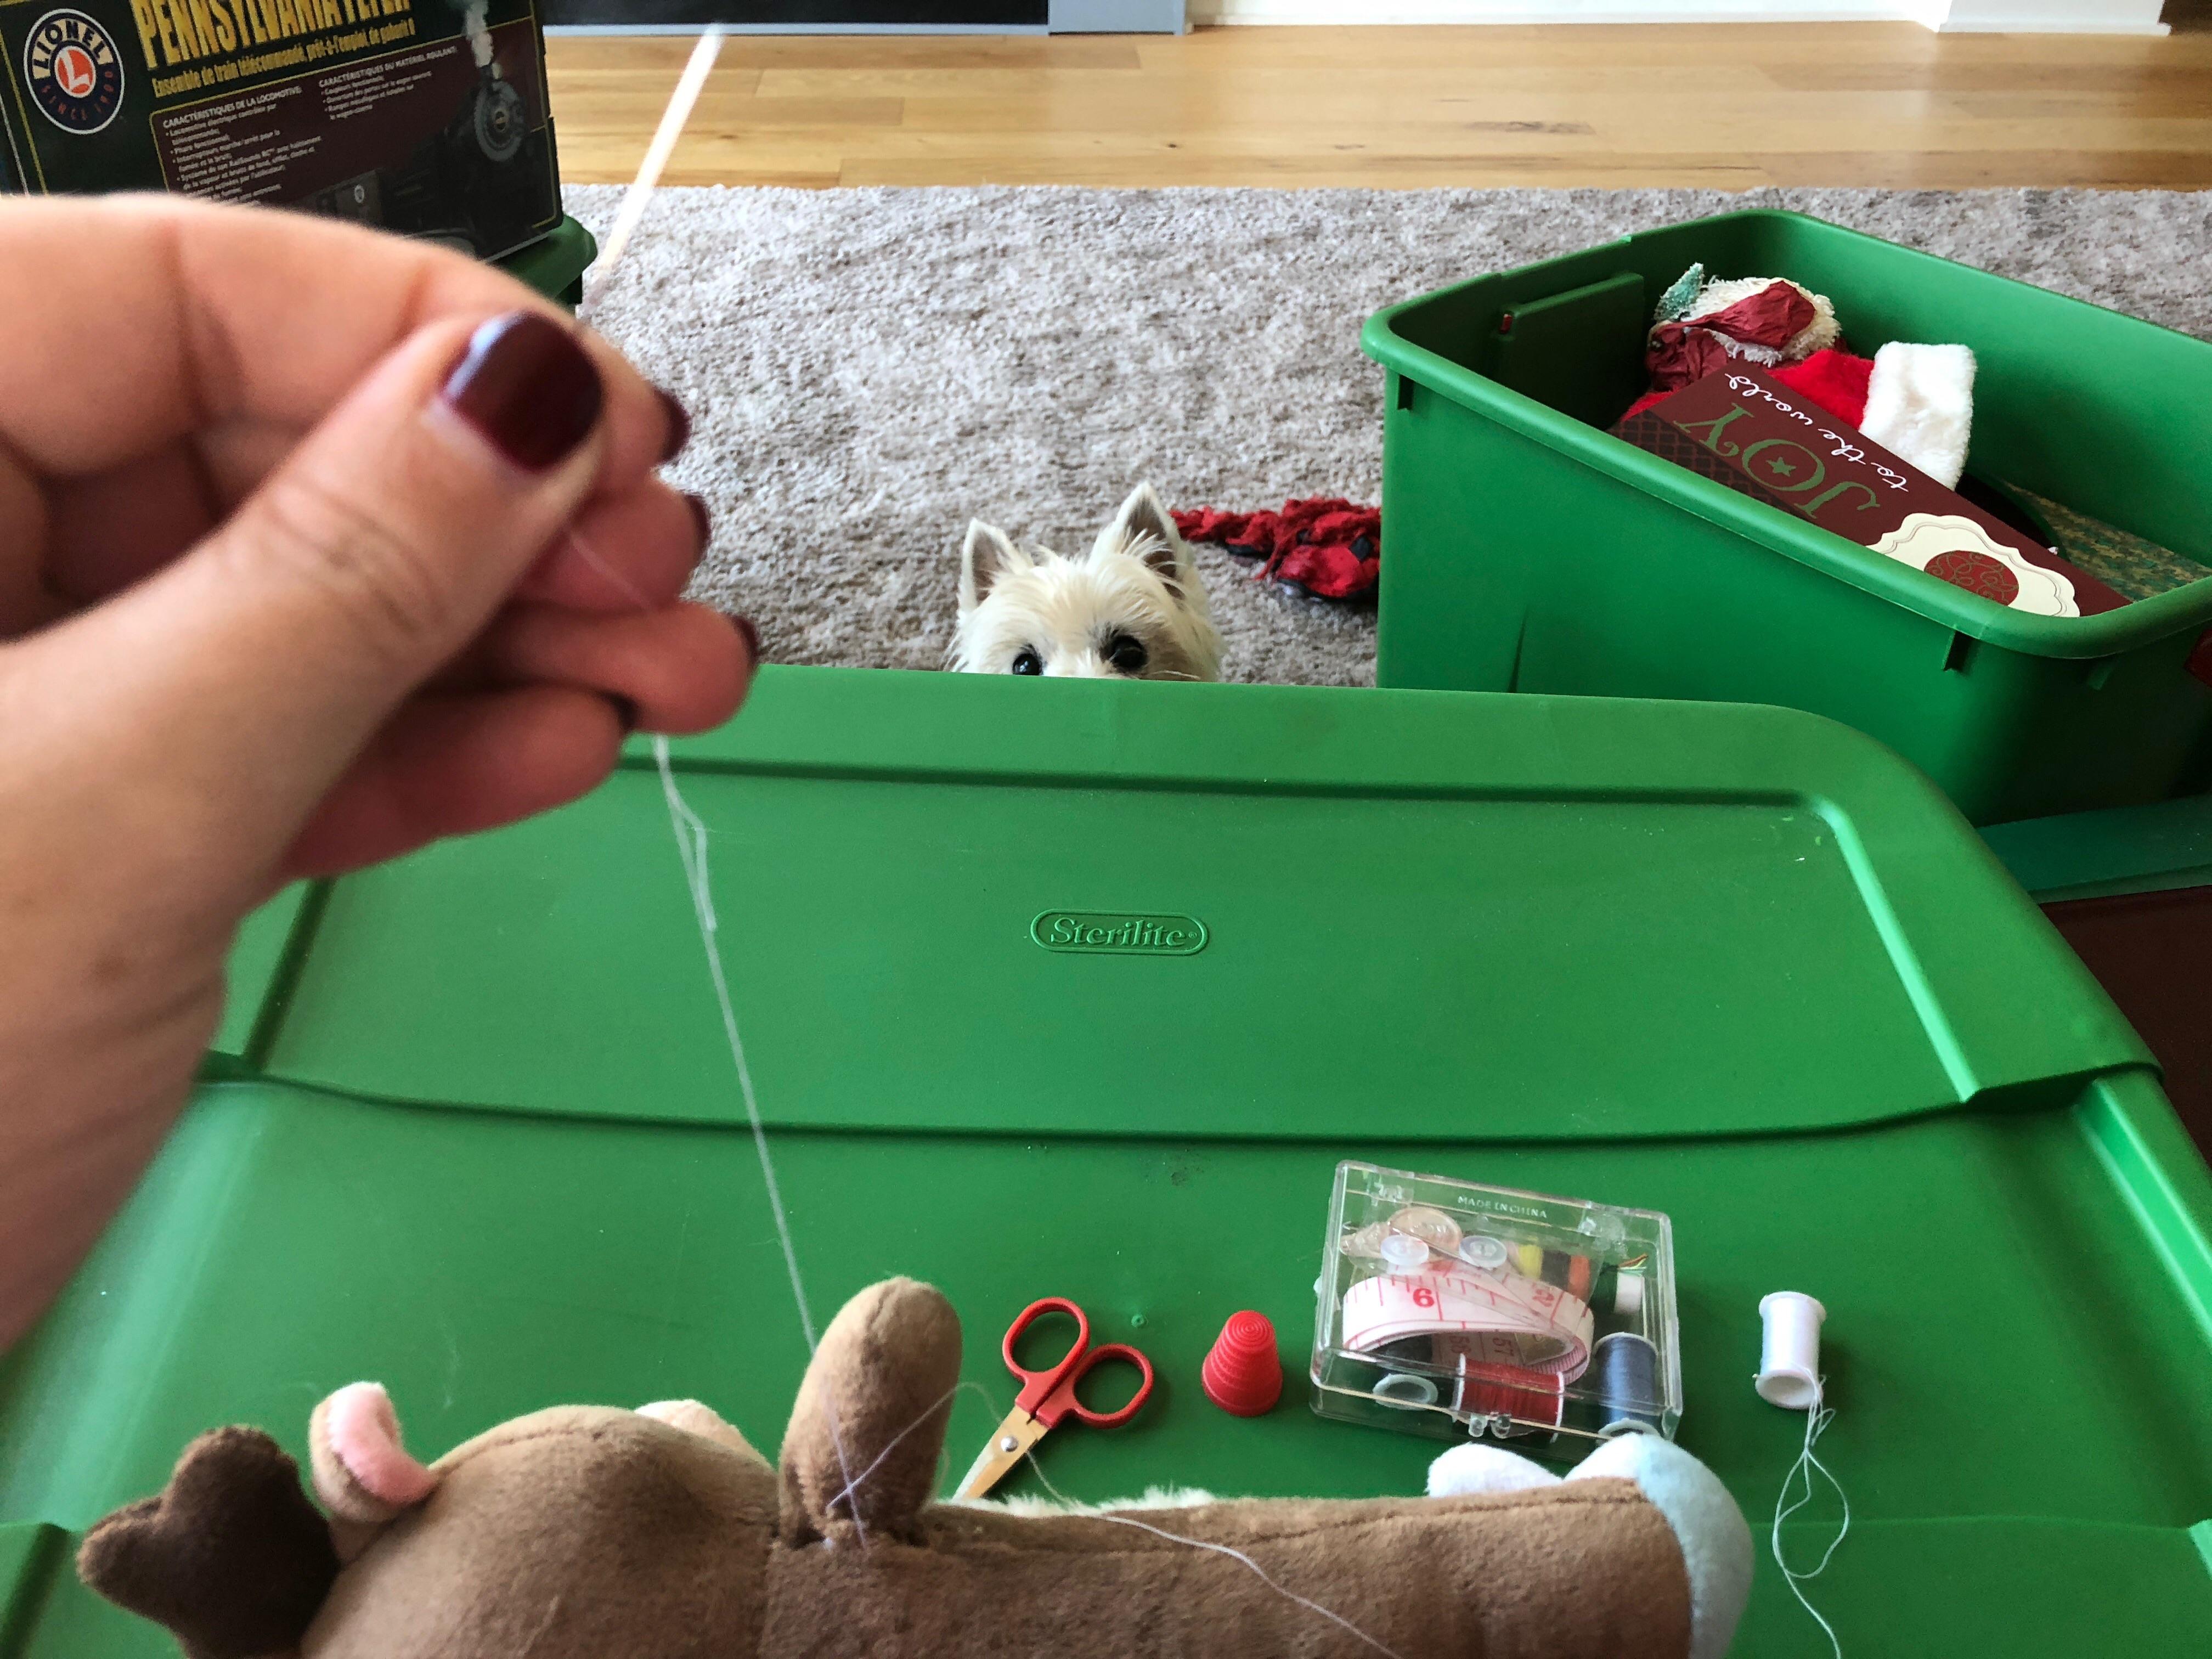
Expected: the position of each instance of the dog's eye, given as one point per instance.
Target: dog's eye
(1126, 652)
(1027, 661)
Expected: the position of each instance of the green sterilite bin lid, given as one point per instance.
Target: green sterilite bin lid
(1083, 989)
(1419, 912)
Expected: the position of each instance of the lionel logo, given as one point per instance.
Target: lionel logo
(74, 73)
(1115, 933)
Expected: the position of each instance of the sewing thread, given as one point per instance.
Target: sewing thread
(691, 849)
(673, 120)
(691, 845)
(690, 831)
(1257, 1570)
(1817, 1418)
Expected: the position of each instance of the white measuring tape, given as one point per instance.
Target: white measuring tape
(1524, 1322)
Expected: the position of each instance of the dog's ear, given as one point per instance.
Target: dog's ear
(985, 556)
(1144, 521)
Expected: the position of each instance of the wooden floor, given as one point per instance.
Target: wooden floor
(1724, 106)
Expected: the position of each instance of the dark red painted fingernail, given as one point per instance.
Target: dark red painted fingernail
(625, 710)
(702, 517)
(679, 425)
(745, 626)
(528, 387)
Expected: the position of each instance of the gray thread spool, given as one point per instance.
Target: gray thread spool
(1627, 1368)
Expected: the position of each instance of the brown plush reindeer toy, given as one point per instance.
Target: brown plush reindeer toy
(588, 1532)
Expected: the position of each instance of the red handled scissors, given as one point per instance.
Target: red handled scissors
(1047, 1397)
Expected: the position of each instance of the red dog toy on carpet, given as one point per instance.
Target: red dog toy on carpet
(1326, 545)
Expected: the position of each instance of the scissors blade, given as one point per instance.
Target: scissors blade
(1007, 1447)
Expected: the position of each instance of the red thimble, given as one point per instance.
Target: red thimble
(1243, 1374)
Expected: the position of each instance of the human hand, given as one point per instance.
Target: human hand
(315, 545)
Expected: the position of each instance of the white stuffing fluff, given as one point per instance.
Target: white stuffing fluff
(1920, 406)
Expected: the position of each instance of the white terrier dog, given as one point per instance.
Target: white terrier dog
(1133, 608)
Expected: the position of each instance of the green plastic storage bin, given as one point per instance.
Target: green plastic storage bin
(2125, 849)
(1527, 550)
(472, 1129)
(554, 264)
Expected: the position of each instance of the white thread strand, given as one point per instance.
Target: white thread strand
(857, 1482)
(629, 589)
(1258, 1571)
(1816, 1424)
(690, 832)
(691, 849)
(673, 120)
(837, 1445)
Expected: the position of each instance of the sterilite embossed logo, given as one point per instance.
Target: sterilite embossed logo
(1119, 933)
(74, 71)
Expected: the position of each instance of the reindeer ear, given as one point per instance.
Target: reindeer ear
(985, 556)
(860, 1459)
(363, 1472)
(231, 1556)
(1145, 523)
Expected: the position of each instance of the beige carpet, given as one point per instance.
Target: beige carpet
(870, 369)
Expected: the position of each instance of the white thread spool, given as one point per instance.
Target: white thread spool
(1790, 1350)
(1627, 1295)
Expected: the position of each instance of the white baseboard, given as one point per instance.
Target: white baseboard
(2052, 17)
(1555, 11)
(650, 29)
(1948, 17)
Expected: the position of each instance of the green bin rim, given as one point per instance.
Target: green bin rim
(2112, 633)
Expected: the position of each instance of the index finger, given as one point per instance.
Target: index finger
(137, 320)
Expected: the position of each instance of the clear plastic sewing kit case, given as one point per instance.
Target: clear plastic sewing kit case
(1448, 1308)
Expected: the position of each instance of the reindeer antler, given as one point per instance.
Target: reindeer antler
(231, 1556)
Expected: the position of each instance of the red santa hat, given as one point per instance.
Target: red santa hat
(1915, 401)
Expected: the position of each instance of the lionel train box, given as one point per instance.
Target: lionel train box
(425, 117)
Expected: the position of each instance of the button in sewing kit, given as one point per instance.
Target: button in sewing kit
(1449, 1307)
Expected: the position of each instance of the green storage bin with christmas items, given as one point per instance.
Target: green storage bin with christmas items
(555, 265)
(471, 1126)
(1527, 550)
(2159, 847)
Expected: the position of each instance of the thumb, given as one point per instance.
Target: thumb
(241, 682)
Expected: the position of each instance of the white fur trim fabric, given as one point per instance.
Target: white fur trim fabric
(1474, 1468)
(1920, 406)
(1716, 1542)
